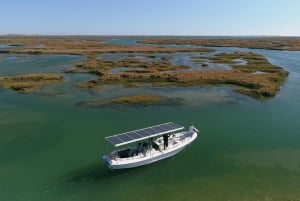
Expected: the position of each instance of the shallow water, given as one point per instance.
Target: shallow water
(17, 64)
(50, 149)
(175, 59)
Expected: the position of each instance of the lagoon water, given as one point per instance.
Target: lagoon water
(50, 148)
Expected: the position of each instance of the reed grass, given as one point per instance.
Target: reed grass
(29, 83)
(245, 77)
(271, 43)
(42, 45)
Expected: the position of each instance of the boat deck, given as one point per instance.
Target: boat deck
(174, 141)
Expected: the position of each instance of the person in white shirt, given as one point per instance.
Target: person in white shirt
(192, 129)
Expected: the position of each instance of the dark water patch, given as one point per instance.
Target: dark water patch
(6, 47)
(26, 64)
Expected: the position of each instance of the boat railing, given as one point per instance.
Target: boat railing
(177, 139)
(140, 155)
(181, 137)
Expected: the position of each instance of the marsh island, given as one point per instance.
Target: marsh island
(29, 83)
(155, 65)
(268, 43)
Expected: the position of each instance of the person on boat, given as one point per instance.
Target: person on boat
(192, 129)
(145, 145)
(154, 145)
(139, 149)
(166, 140)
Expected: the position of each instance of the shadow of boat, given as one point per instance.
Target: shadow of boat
(93, 172)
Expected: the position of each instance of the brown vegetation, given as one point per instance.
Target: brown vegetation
(29, 83)
(139, 99)
(257, 78)
(272, 43)
(42, 45)
(136, 100)
(133, 65)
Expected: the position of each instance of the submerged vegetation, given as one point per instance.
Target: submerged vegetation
(29, 83)
(137, 100)
(144, 99)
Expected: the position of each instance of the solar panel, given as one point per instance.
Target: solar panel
(169, 126)
(142, 133)
(114, 140)
(149, 131)
(160, 129)
(124, 137)
(173, 125)
(133, 136)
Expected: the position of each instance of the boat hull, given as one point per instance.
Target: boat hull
(145, 160)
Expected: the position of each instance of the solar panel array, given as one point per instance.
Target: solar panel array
(145, 133)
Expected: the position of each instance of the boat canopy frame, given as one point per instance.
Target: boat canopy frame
(142, 134)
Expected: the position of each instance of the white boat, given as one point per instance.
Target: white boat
(154, 143)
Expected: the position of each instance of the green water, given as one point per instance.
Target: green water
(50, 149)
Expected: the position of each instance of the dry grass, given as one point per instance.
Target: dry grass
(29, 83)
(42, 45)
(135, 66)
(258, 85)
(273, 43)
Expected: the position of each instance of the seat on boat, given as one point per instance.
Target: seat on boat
(125, 153)
(155, 146)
